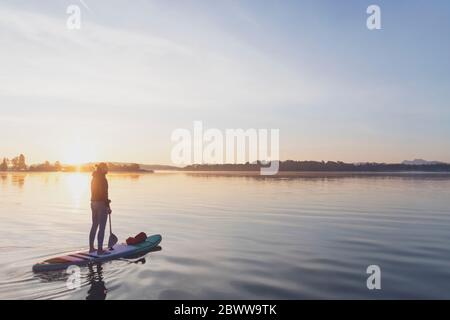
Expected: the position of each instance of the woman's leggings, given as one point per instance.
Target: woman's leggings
(99, 218)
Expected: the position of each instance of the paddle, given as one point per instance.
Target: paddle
(112, 238)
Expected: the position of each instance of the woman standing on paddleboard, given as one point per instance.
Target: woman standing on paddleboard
(100, 207)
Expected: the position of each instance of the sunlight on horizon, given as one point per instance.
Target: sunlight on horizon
(78, 185)
(78, 154)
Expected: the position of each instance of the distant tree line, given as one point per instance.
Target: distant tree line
(19, 164)
(15, 164)
(291, 165)
(46, 167)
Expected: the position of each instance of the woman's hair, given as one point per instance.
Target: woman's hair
(101, 166)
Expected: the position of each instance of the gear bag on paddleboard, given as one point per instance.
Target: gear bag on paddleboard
(140, 237)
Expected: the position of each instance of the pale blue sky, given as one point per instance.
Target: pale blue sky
(116, 89)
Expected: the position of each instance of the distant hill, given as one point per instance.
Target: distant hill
(421, 162)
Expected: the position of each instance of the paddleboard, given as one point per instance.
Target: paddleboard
(84, 257)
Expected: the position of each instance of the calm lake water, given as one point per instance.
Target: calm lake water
(234, 236)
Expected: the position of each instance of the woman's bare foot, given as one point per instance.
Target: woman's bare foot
(102, 252)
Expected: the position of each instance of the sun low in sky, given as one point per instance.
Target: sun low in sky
(115, 89)
(79, 153)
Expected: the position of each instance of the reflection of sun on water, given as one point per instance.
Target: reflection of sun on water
(78, 186)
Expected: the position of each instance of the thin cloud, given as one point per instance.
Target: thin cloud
(106, 65)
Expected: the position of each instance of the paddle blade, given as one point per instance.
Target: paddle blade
(112, 240)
